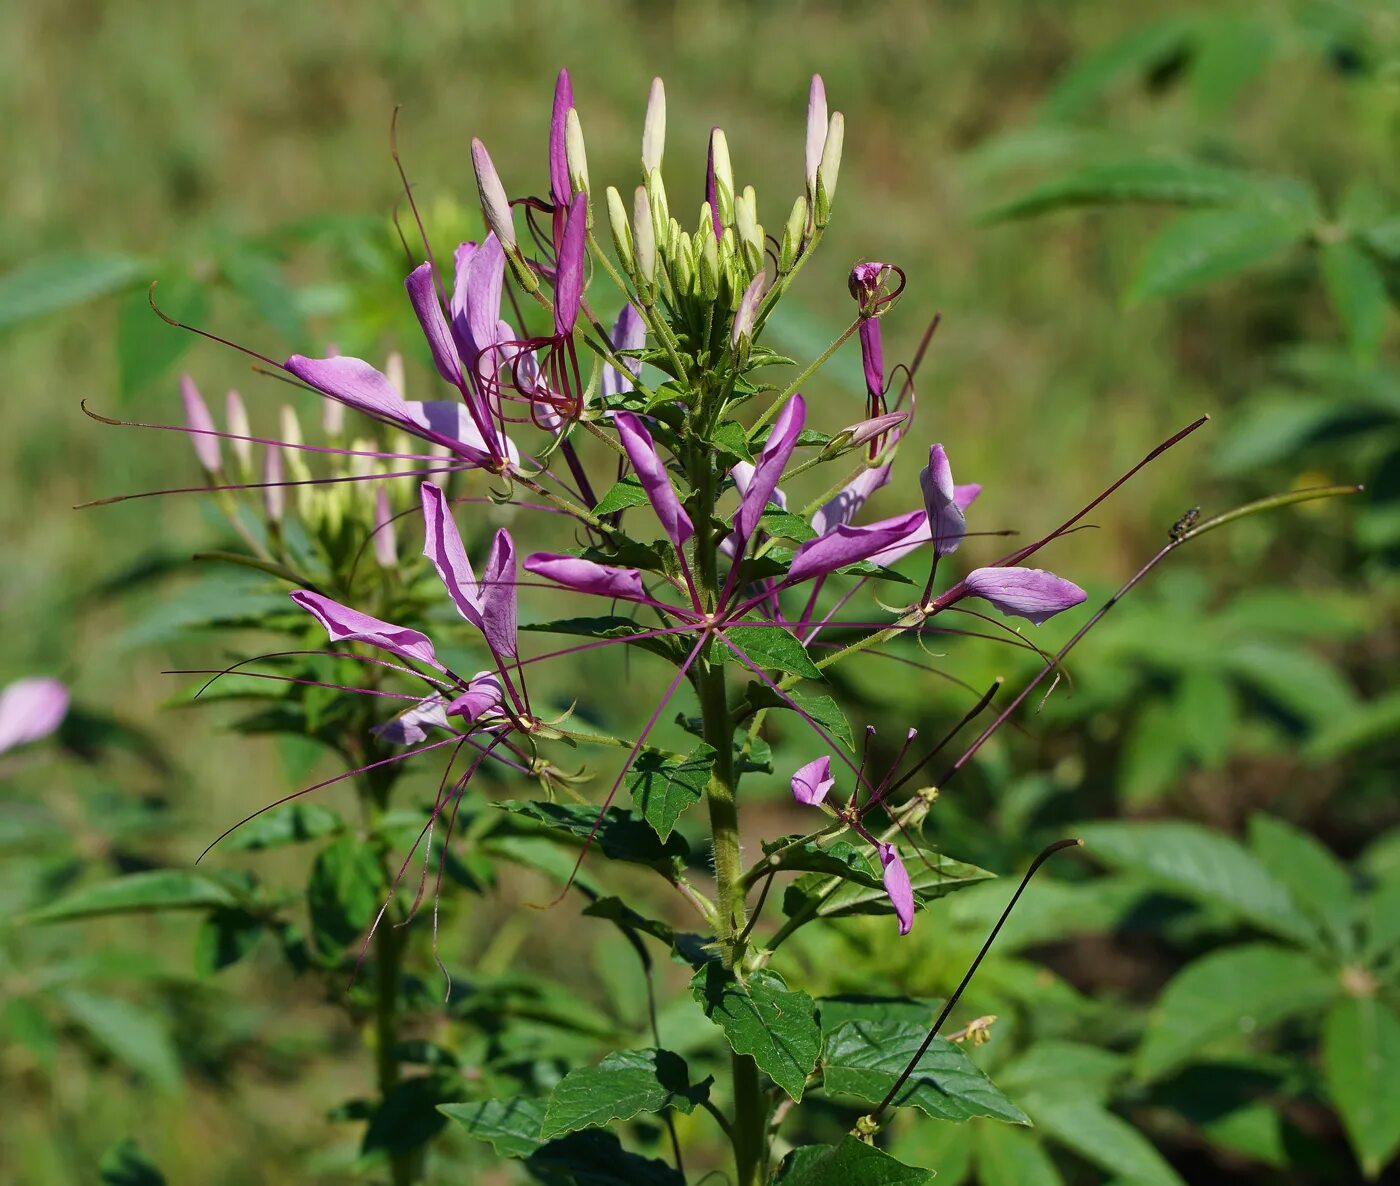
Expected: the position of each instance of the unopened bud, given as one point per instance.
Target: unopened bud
(816, 130)
(238, 427)
(393, 371)
(748, 311)
(385, 545)
(274, 493)
(574, 151)
(723, 174)
(201, 425)
(654, 129)
(333, 417)
(830, 168)
(793, 235)
(621, 232)
(660, 208)
(707, 253)
(494, 205)
(293, 462)
(644, 237)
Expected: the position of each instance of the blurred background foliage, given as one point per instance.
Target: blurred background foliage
(1128, 216)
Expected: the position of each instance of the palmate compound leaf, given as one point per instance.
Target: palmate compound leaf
(863, 1059)
(621, 835)
(761, 1018)
(862, 891)
(851, 1163)
(625, 1084)
(663, 785)
(1361, 1066)
(1229, 993)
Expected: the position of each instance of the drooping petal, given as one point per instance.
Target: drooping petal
(651, 472)
(844, 545)
(31, 709)
(846, 503)
(498, 595)
(946, 522)
(197, 417)
(1029, 593)
(484, 693)
(423, 294)
(812, 782)
(411, 727)
(629, 332)
(344, 624)
(558, 162)
(898, 886)
(872, 355)
(586, 576)
(816, 127)
(568, 281)
(352, 381)
(442, 544)
(966, 494)
(772, 460)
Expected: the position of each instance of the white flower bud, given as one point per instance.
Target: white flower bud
(494, 205)
(654, 129)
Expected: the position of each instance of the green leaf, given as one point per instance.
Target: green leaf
(1318, 881)
(294, 823)
(1368, 724)
(625, 1084)
(409, 1116)
(132, 1034)
(1361, 1066)
(1383, 238)
(1177, 183)
(820, 707)
(763, 1019)
(864, 1059)
(946, 1149)
(1054, 1065)
(940, 876)
(851, 1163)
(1102, 1139)
(785, 525)
(1124, 59)
(1011, 1157)
(772, 647)
(1153, 756)
(343, 894)
(837, 858)
(1208, 245)
(147, 347)
(55, 282)
(224, 938)
(594, 1158)
(1356, 288)
(620, 835)
(157, 889)
(731, 438)
(260, 280)
(125, 1165)
(663, 785)
(512, 1127)
(1298, 680)
(1229, 994)
(624, 494)
(836, 1011)
(1201, 864)
(615, 626)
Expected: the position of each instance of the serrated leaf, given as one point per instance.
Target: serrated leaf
(512, 1127)
(1361, 1066)
(1101, 1138)
(820, 707)
(625, 1084)
(1010, 1157)
(851, 1163)
(761, 1018)
(1206, 246)
(730, 437)
(293, 823)
(55, 282)
(836, 1011)
(942, 875)
(343, 894)
(620, 836)
(1319, 882)
(157, 889)
(623, 495)
(1231, 993)
(771, 647)
(1356, 289)
(663, 785)
(1201, 864)
(864, 1059)
(785, 525)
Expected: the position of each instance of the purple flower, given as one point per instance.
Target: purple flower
(494, 204)
(897, 886)
(568, 284)
(813, 781)
(411, 726)
(559, 186)
(772, 459)
(651, 472)
(629, 332)
(844, 545)
(483, 695)
(489, 605)
(1029, 593)
(344, 624)
(947, 524)
(201, 425)
(748, 310)
(586, 576)
(31, 709)
(872, 359)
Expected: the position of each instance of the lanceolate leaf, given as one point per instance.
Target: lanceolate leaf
(624, 494)
(1208, 245)
(1101, 1138)
(58, 281)
(621, 836)
(1230, 993)
(663, 785)
(761, 1018)
(1010, 1157)
(1318, 880)
(851, 1163)
(1357, 291)
(159, 889)
(292, 824)
(1194, 861)
(864, 1058)
(1361, 1064)
(343, 894)
(625, 1084)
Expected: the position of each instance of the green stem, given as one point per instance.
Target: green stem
(404, 1168)
(812, 368)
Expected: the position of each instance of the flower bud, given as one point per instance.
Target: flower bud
(720, 190)
(385, 545)
(558, 161)
(829, 169)
(293, 462)
(707, 257)
(654, 129)
(238, 426)
(750, 233)
(393, 371)
(274, 493)
(574, 151)
(621, 232)
(333, 418)
(644, 237)
(494, 205)
(816, 130)
(793, 235)
(201, 424)
(748, 312)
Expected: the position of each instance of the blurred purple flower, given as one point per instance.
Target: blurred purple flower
(31, 709)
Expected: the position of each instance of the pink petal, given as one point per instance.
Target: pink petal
(812, 782)
(344, 624)
(587, 577)
(898, 887)
(1029, 593)
(31, 709)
